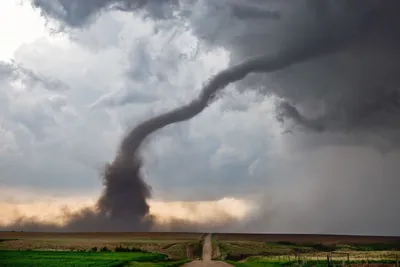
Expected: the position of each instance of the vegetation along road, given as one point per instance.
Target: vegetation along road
(207, 256)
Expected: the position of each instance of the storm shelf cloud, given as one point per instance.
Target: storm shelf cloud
(324, 72)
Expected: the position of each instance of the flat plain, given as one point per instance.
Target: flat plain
(174, 249)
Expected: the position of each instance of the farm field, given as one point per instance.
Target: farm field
(255, 250)
(314, 247)
(174, 245)
(174, 249)
(302, 238)
(265, 261)
(67, 259)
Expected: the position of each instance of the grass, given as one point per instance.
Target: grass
(194, 249)
(282, 253)
(175, 251)
(347, 247)
(172, 244)
(174, 248)
(216, 248)
(157, 264)
(84, 259)
(258, 261)
(240, 246)
(373, 247)
(239, 250)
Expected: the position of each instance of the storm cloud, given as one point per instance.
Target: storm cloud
(340, 102)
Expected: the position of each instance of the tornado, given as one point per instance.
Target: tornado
(125, 193)
(123, 203)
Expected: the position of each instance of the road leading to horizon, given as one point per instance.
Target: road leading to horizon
(207, 256)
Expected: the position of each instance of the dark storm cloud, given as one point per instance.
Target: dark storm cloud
(336, 189)
(76, 13)
(362, 73)
(347, 79)
(354, 87)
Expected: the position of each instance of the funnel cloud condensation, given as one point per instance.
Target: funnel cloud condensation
(340, 54)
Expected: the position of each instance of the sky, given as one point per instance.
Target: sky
(72, 85)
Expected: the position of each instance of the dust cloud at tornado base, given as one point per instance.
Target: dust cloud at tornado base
(338, 84)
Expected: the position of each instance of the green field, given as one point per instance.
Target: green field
(248, 253)
(173, 249)
(286, 252)
(257, 263)
(175, 245)
(83, 259)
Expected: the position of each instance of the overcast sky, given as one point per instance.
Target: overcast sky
(67, 98)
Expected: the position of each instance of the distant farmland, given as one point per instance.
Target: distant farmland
(129, 235)
(173, 249)
(300, 238)
(67, 259)
(221, 236)
(174, 245)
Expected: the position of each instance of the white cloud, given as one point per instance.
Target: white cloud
(15, 31)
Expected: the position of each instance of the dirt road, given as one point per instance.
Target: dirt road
(207, 257)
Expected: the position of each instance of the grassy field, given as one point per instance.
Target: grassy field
(307, 250)
(91, 249)
(266, 261)
(243, 249)
(172, 244)
(67, 259)
(302, 238)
